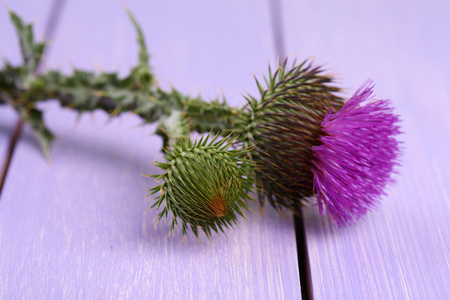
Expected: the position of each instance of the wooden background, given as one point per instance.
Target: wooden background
(76, 228)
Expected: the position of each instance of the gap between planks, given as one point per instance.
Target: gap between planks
(304, 268)
(275, 9)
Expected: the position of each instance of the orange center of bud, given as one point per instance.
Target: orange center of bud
(218, 207)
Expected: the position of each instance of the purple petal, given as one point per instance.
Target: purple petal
(357, 156)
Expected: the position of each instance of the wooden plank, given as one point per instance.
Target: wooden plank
(402, 250)
(77, 228)
(7, 120)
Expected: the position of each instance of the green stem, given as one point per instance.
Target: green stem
(84, 91)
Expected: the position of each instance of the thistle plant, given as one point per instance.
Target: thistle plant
(296, 143)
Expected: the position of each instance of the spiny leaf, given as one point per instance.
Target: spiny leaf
(143, 53)
(33, 117)
(31, 51)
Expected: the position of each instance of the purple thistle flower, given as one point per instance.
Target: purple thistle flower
(357, 155)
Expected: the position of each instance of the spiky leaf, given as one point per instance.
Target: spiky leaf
(31, 51)
(33, 118)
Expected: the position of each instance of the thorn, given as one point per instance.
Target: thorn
(6, 6)
(262, 211)
(125, 6)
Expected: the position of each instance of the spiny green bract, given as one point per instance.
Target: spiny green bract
(281, 126)
(205, 185)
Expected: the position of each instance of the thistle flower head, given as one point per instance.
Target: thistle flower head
(205, 185)
(306, 141)
(356, 156)
(282, 126)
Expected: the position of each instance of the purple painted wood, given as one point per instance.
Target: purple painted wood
(402, 250)
(8, 119)
(77, 228)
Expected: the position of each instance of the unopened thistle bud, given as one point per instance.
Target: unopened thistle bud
(205, 185)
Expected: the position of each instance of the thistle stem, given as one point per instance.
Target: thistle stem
(82, 91)
(178, 114)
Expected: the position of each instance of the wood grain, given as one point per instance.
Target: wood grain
(77, 228)
(401, 250)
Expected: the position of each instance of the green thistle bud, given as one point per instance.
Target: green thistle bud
(142, 76)
(204, 184)
(282, 126)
